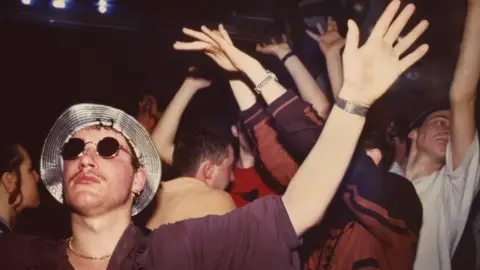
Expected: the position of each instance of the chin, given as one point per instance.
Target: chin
(84, 202)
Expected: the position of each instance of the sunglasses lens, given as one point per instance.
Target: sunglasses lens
(108, 147)
(73, 148)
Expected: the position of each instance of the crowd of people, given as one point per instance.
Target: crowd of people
(302, 186)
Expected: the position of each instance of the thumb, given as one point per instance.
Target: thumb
(353, 37)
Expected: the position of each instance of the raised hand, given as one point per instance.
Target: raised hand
(148, 106)
(274, 48)
(329, 41)
(371, 69)
(196, 82)
(218, 46)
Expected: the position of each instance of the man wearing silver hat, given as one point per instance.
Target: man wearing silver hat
(103, 165)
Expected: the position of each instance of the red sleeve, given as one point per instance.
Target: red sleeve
(273, 155)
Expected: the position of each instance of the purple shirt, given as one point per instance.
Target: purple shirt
(257, 236)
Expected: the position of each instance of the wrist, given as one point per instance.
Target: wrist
(282, 53)
(189, 87)
(333, 54)
(256, 73)
(354, 94)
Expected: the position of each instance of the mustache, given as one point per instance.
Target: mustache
(89, 173)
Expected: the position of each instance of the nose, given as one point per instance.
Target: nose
(88, 158)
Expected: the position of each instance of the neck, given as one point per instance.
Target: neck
(246, 159)
(420, 165)
(7, 212)
(98, 236)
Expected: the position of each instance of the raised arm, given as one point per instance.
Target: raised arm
(463, 92)
(330, 43)
(276, 159)
(164, 133)
(306, 84)
(369, 71)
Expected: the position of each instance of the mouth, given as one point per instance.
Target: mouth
(86, 179)
(442, 140)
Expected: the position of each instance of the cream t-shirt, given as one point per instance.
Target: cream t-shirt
(446, 196)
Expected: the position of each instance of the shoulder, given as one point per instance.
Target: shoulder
(216, 200)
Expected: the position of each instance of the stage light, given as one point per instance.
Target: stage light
(27, 2)
(102, 9)
(59, 3)
(102, 6)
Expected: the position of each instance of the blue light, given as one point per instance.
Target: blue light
(27, 2)
(59, 4)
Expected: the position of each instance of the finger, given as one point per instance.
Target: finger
(413, 57)
(192, 46)
(329, 23)
(399, 23)
(260, 48)
(284, 38)
(353, 37)
(405, 43)
(312, 35)
(225, 34)
(320, 29)
(197, 35)
(273, 41)
(385, 20)
(218, 39)
(334, 25)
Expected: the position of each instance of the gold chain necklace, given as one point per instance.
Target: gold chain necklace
(104, 257)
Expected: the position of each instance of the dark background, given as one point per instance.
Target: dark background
(52, 59)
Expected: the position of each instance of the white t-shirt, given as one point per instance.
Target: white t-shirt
(446, 197)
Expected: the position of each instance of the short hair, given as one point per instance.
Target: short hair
(191, 149)
(377, 138)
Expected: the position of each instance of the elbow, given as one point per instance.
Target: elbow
(463, 99)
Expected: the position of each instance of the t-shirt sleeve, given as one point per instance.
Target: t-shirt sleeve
(257, 236)
(462, 184)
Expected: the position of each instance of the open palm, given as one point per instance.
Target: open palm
(329, 40)
(218, 46)
(374, 67)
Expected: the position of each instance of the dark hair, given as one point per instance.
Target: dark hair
(10, 161)
(378, 138)
(191, 149)
(10, 157)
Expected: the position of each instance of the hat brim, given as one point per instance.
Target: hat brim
(81, 116)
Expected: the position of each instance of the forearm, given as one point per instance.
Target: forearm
(272, 90)
(318, 178)
(463, 91)
(306, 85)
(468, 65)
(335, 72)
(243, 94)
(164, 133)
(297, 124)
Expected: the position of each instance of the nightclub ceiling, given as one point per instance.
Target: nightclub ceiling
(110, 51)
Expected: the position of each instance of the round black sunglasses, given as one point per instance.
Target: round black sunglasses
(107, 147)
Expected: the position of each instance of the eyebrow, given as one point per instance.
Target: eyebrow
(438, 117)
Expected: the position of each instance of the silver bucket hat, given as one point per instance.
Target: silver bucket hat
(81, 116)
